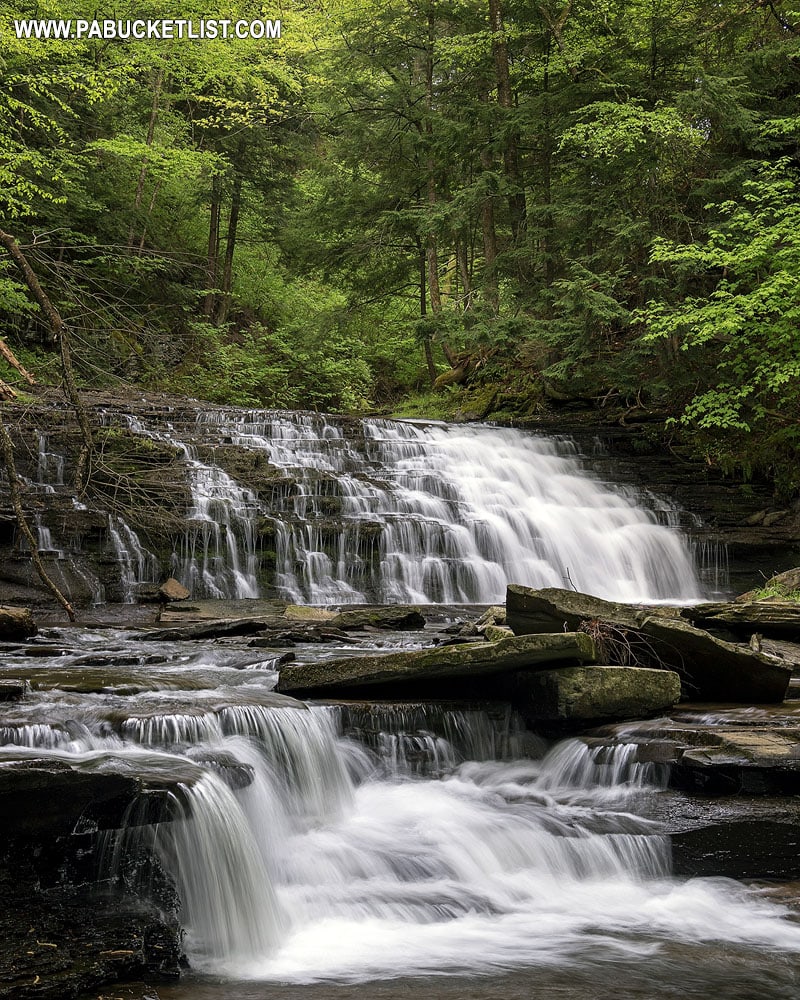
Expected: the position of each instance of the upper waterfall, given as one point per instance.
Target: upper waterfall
(383, 510)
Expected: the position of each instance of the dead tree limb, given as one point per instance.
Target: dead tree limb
(10, 357)
(60, 333)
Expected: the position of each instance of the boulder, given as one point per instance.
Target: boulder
(588, 693)
(463, 662)
(16, 623)
(711, 668)
(493, 633)
(172, 590)
(715, 670)
(531, 611)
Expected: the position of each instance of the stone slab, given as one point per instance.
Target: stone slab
(464, 661)
(711, 669)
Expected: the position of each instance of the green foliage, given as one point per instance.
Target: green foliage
(775, 591)
(748, 312)
(595, 205)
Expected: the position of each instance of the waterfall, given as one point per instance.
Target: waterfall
(136, 563)
(390, 511)
(352, 842)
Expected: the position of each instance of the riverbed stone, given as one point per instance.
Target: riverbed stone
(172, 590)
(711, 669)
(463, 662)
(587, 693)
(16, 623)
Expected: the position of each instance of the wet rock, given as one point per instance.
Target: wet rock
(400, 618)
(460, 662)
(206, 630)
(45, 797)
(16, 623)
(583, 694)
(65, 933)
(747, 849)
(710, 668)
(172, 590)
(775, 618)
(721, 750)
(12, 690)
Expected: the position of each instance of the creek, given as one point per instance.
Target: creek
(330, 850)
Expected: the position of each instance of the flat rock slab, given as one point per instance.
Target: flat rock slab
(583, 694)
(214, 609)
(710, 668)
(727, 751)
(778, 619)
(464, 661)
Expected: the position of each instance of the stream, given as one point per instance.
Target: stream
(391, 848)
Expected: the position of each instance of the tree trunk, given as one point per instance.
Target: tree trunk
(432, 252)
(212, 260)
(489, 235)
(516, 193)
(151, 131)
(230, 246)
(423, 311)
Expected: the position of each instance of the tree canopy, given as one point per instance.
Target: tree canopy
(557, 202)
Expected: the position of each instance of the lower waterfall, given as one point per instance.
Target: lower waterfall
(359, 843)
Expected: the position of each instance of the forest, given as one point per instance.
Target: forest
(479, 207)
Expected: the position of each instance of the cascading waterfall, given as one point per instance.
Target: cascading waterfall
(391, 511)
(218, 556)
(343, 860)
(136, 563)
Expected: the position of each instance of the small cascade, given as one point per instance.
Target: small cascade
(49, 466)
(230, 908)
(431, 740)
(353, 842)
(45, 544)
(136, 564)
(217, 556)
(219, 549)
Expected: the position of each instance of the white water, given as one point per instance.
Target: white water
(389, 511)
(334, 863)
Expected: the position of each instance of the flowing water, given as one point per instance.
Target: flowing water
(352, 511)
(377, 850)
